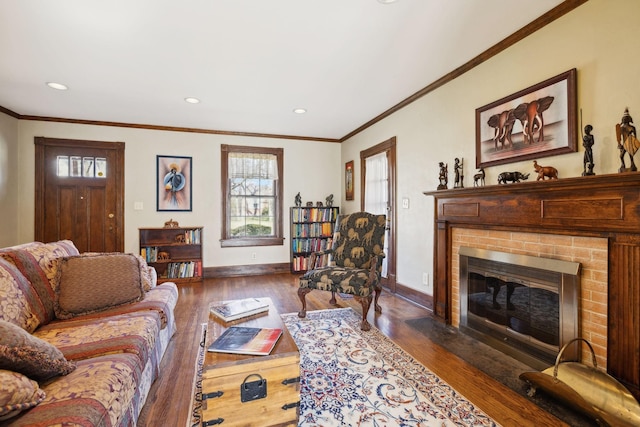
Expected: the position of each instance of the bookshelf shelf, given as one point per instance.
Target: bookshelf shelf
(311, 231)
(175, 252)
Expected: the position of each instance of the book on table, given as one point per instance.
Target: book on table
(238, 308)
(246, 340)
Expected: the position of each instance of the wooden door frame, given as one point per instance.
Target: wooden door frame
(41, 143)
(388, 146)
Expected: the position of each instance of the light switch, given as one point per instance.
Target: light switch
(138, 206)
(405, 203)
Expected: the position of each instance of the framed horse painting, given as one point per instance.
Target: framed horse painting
(538, 121)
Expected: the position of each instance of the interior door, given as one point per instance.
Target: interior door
(79, 193)
(384, 201)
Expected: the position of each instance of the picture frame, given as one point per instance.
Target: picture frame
(348, 180)
(173, 183)
(538, 121)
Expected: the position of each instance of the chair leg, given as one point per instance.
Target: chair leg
(302, 294)
(378, 291)
(332, 301)
(365, 302)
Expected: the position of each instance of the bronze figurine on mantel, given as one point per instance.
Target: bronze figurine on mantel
(478, 179)
(545, 171)
(514, 177)
(587, 143)
(443, 177)
(627, 141)
(459, 173)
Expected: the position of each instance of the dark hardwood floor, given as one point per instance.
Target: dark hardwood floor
(169, 398)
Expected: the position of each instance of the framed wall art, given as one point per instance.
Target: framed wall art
(538, 121)
(348, 180)
(173, 183)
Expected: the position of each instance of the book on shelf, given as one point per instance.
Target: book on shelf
(246, 340)
(238, 308)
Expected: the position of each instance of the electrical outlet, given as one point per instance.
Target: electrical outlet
(425, 278)
(405, 203)
(254, 255)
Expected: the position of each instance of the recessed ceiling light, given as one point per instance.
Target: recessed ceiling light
(387, 1)
(300, 111)
(57, 86)
(192, 100)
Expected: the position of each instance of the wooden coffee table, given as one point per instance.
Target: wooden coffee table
(224, 375)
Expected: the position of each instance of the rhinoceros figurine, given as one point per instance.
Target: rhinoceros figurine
(505, 177)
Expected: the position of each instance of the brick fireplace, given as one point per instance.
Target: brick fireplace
(590, 252)
(592, 220)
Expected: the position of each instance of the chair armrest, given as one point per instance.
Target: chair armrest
(315, 255)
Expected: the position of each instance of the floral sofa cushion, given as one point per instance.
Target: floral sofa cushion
(17, 393)
(76, 399)
(84, 338)
(19, 302)
(38, 262)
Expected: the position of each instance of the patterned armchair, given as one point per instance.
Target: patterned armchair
(356, 265)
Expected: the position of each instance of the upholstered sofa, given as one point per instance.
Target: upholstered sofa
(81, 335)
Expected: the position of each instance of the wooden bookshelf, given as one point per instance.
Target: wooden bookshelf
(175, 252)
(311, 231)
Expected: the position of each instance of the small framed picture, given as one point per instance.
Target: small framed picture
(173, 183)
(348, 180)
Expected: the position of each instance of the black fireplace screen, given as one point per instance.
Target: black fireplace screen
(521, 302)
(524, 309)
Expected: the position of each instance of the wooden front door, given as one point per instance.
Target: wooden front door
(80, 193)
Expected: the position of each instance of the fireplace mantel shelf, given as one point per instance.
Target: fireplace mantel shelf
(592, 204)
(606, 206)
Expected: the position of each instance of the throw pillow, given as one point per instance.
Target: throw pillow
(149, 276)
(19, 302)
(38, 262)
(38, 282)
(93, 283)
(22, 352)
(17, 393)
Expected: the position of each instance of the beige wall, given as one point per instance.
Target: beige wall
(598, 38)
(9, 184)
(305, 170)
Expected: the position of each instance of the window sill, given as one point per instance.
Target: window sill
(251, 241)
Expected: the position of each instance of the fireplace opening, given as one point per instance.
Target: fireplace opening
(521, 305)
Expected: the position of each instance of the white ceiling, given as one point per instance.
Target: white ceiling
(250, 62)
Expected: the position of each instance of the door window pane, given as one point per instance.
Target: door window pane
(63, 166)
(87, 167)
(76, 166)
(101, 167)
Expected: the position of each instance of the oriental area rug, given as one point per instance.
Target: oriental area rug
(349, 377)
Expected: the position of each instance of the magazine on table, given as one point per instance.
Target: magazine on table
(238, 308)
(246, 340)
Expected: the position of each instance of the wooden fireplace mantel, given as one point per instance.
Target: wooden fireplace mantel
(606, 206)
